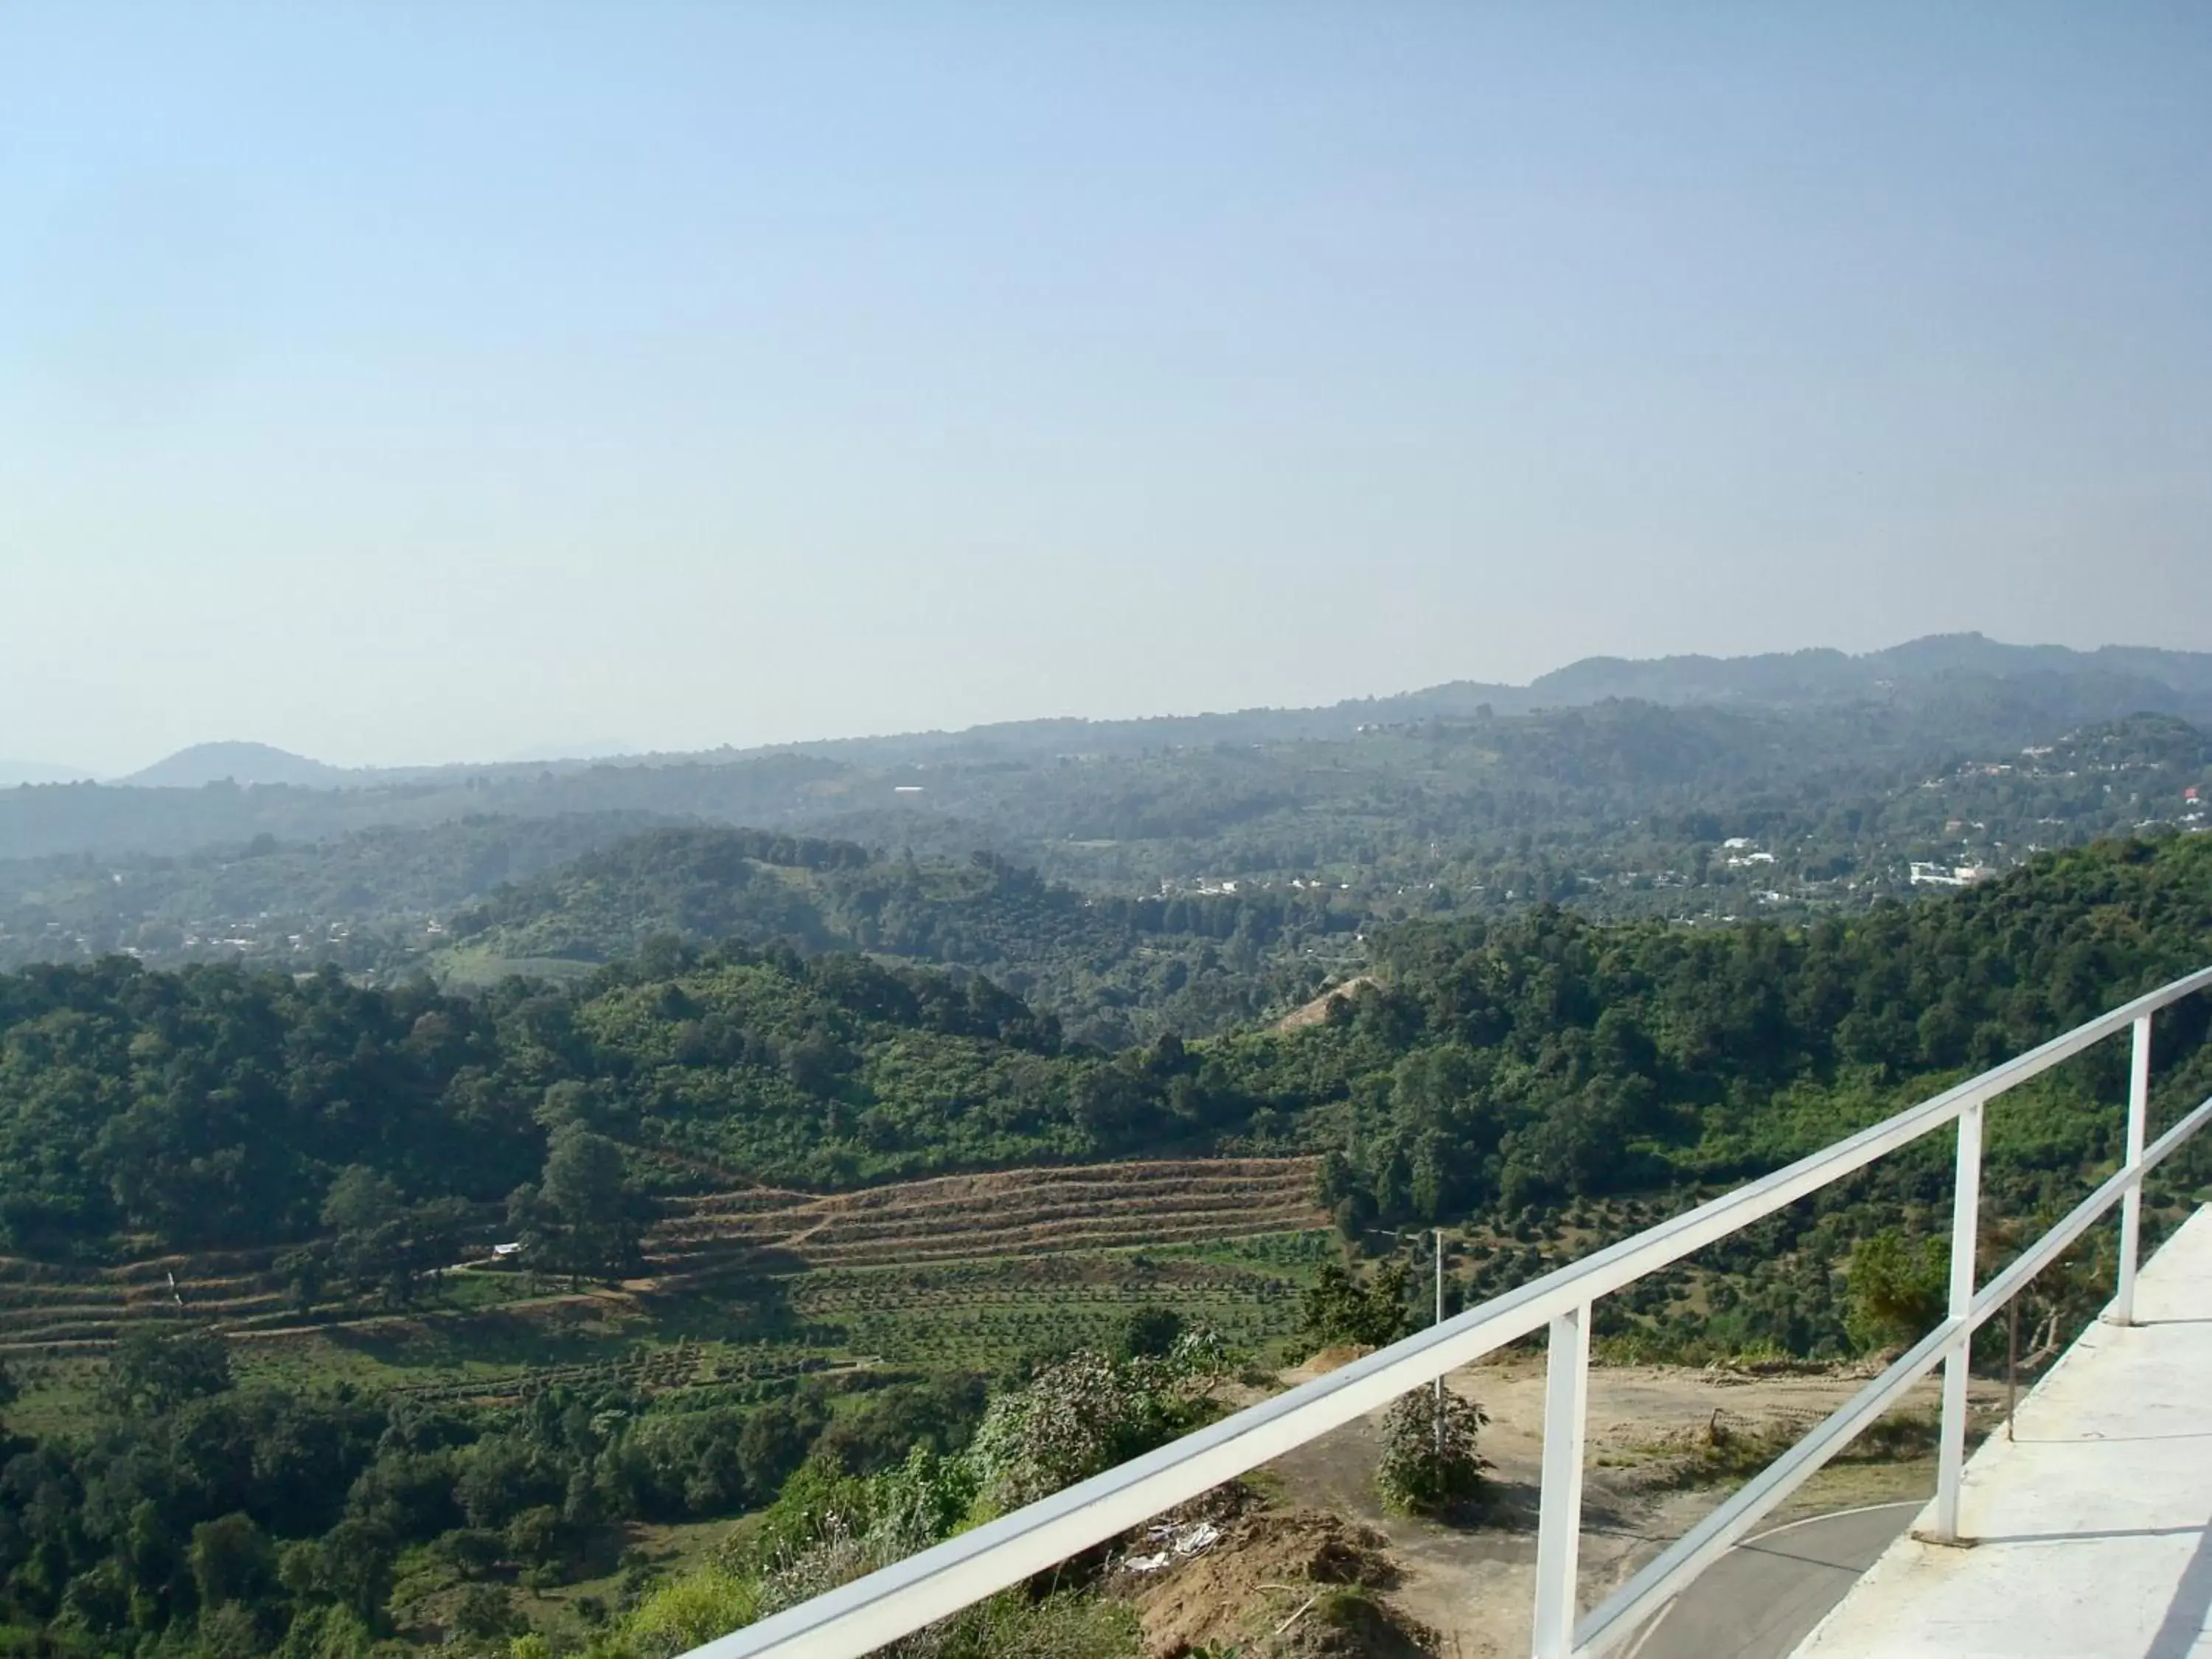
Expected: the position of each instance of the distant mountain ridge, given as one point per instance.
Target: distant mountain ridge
(2059, 683)
(1824, 675)
(242, 763)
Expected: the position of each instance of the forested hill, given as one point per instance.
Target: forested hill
(2139, 676)
(1622, 809)
(1537, 1059)
(1920, 678)
(213, 1106)
(1114, 970)
(1112, 802)
(1550, 1057)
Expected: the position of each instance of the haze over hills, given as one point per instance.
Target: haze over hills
(1827, 676)
(808, 812)
(14, 773)
(1104, 944)
(1122, 806)
(247, 764)
(2058, 682)
(1022, 865)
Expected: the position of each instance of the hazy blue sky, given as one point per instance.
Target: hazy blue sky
(405, 383)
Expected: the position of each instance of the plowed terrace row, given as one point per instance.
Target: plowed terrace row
(1017, 1213)
(1012, 1212)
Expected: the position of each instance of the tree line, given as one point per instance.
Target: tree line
(1529, 1060)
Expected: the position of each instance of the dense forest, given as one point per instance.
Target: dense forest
(479, 900)
(1536, 1058)
(1114, 970)
(212, 1106)
(210, 1516)
(1551, 1056)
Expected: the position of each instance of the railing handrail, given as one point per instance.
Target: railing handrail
(856, 1619)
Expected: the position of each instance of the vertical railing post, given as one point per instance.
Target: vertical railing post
(1436, 1402)
(1559, 1524)
(1965, 1222)
(2124, 1295)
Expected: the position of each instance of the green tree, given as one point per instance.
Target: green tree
(1150, 1331)
(228, 1631)
(350, 1566)
(773, 1443)
(581, 1218)
(360, 1201)
(563, 1103)
(384, 1245)
(328, 1631)
(231, 1560)
(149, 1372)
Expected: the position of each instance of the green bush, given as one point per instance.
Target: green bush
(679, 1616)
(1339, 1309)
(1429, 1464)
(1899, 1290)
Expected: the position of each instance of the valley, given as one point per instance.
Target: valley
(789, 786)
(609, 1204)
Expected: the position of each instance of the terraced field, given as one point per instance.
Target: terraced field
(977, 1315)
(46, 1305)
(1019, 1220)
(1020, 1213)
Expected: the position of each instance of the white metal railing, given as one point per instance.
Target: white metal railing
(859, 1617)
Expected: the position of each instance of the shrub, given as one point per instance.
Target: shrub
(683, 1612)
(1338, 1308)
(1429, 1464)
(816, 1501)
(1086, 1414)
(1150, 1331)
(1897, 1290)
(486, 1610)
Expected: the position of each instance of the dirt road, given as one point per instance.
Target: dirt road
(1474, 1585)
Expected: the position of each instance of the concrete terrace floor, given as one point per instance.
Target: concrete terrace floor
(2094, 1523)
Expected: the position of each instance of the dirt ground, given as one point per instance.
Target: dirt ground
(1314, 1012)
(1269, 1561)
(1473, 1585)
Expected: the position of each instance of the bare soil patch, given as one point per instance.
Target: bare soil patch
(1659, 1459)
(1265, 1559)
(1314, 1012)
